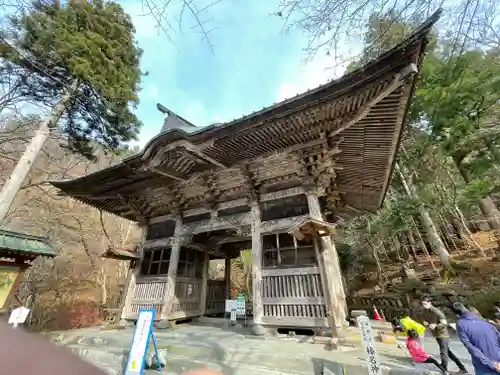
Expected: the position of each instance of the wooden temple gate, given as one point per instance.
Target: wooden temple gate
(208, 193)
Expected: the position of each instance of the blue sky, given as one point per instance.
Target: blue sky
(253, 64)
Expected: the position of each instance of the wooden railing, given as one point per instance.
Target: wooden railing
(392, 306)
(293, 297)
(148, 293)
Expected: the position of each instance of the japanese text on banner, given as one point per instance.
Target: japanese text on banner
(369, 345)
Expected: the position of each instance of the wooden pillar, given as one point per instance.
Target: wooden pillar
(325, 271)
(204, 284)
(172, 271)
(330, 258)
(134, 273)
(258, 308)
(227, 277)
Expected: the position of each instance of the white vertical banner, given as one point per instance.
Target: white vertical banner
(140, 342)
(369, 345)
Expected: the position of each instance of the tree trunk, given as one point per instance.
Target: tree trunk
(404, 247)
(459, 230)
(380, 272)
(486, 204)
(411, 242)
(396, 246)
(446, 232)
(435, 241)
(424, 248)
(23, 167)
(469, 233)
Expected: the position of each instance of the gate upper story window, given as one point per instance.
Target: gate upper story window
(161, 230)
(283, 250)
(155, 262)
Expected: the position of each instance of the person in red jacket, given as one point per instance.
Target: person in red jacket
(418, 353)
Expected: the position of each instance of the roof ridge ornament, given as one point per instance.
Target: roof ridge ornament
(173, 120)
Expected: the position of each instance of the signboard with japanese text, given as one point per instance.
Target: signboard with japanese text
(369, 345)
(140, 342)
(240, 307)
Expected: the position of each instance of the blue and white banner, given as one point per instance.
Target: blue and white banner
(140, 342)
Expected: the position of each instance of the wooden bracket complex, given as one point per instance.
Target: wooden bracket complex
(252, 182)
(213, 192)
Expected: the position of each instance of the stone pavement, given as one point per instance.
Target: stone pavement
(235, 351)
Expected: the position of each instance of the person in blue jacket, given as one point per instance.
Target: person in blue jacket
(481, 339)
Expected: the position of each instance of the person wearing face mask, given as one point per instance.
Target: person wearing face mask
(436, 321)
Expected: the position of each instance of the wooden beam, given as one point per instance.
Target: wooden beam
(287, 271)
(275, 225)
(233, 203)
(282, 194)
(217, 223)
(285, 150)
(169, 175)
(294, 322)
(86, 195)
(294, 301)
(199, 153)
(396, 82)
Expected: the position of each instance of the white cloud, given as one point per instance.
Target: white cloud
(308, 75)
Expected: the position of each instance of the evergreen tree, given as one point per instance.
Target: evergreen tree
(84, 52)
(81, 59)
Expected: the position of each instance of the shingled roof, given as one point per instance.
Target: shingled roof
(14, 244)
(364, 111)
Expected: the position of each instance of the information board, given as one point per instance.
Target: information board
(240, 307)
(140, 342)
(369, 345)
(230, 305)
